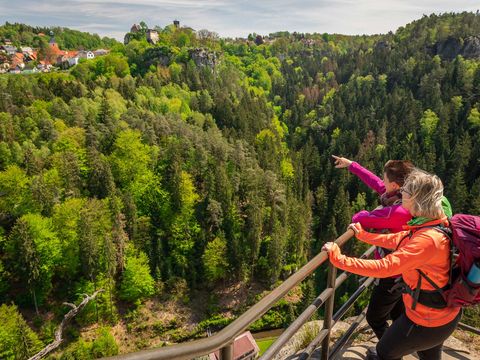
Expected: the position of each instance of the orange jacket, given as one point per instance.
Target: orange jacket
(426, 249)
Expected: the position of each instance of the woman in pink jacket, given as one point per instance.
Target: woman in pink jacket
(390, 217)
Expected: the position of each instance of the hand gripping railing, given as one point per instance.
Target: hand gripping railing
(224, 339)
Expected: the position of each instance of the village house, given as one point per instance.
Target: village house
(8, 49)
(244, 348)
(44, 66)
(100, 52)
(17, 63)
(53, 45)
(4, 67)
(14, 61)
(75, 56)
(31, 56)
(53, 52)
(62, 60)
(85, 54)
(135, 28)
(26, 50)
(152, 36)
(72, 61)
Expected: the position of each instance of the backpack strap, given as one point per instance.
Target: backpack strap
(416, 293)
(449, 234)
(436, 298)
(425, 276)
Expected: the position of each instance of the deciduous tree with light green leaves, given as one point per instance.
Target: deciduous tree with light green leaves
(215, 260)
(137, 283)
(184, 227)
(35, 249)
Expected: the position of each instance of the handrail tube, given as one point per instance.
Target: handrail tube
(308, 351)
(368, 252)
(339, 344)
(348, 304)
(302, 319)
(464, 326)
(324, 334)
(306, 314)
(313, 345)
(297, 324)
(185, 351)
(327, 320)
(226, 353)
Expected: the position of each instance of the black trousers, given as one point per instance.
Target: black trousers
(405, 337)
(384, 306)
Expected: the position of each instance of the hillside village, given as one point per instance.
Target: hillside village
(28, 60)
(18, 59)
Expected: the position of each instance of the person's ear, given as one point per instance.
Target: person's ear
(395, 186)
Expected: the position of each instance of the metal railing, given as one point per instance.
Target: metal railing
(327, 297)
(223, 340)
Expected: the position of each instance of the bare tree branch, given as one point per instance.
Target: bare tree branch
(73, 306)
(59, 332)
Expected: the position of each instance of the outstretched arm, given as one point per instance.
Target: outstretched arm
(389, 241)
(410, 256)
(389, 217)
(367, 177)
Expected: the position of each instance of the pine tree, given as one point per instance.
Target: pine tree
(17, 340)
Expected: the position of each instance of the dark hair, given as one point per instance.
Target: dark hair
(398, 170)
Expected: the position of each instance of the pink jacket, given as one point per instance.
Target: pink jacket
(391, 218)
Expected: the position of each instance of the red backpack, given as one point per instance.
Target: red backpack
(464, 234)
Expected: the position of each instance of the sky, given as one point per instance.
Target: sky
(229, 18)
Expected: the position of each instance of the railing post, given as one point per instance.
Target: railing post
(226, 353)
(327, 320)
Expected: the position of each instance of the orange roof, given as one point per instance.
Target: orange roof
(55, 49)
(17, 59)
(71, 53)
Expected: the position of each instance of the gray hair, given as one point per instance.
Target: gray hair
(426, 191)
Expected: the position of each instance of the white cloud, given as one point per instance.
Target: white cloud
(229, 17)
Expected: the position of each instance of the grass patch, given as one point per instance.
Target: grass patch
(306, 335)
(265, 343)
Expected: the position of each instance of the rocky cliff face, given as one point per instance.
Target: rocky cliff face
(203, 57)
(471, 47)
(163, 56)
(449, 48)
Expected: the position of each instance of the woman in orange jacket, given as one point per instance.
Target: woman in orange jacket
(422, 247)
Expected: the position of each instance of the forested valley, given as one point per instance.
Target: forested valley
(177, 175)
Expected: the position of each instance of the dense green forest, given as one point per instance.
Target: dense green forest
(158, 171)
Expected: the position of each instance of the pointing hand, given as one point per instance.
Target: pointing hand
(341, 162)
